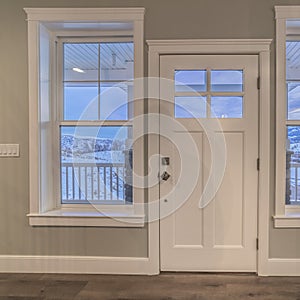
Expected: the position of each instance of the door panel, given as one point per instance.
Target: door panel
(228, 232)
(222, 235)
(187, 219)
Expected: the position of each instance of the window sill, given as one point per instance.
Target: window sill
(289, 220)
(86, 218)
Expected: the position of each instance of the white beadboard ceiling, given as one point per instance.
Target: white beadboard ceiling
(293, 54)
(114, 56)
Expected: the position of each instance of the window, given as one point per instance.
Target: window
(293, 121)
(287, 210)
(97, 85)
(82, 96)
(209, 93)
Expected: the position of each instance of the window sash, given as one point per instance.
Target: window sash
(60, 66)
(282, 15)
(92, 123)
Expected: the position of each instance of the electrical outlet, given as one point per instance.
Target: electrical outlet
(9, 150)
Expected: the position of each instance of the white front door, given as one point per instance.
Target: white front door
(217, 100)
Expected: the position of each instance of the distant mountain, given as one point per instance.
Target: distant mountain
(71, 145)
(294, 137)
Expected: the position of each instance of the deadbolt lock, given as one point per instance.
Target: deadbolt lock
(165, 176)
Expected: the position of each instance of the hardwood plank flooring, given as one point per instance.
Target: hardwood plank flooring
(166, 286)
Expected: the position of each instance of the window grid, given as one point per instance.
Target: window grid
(292, 122)
(108, 174)
(98, 82)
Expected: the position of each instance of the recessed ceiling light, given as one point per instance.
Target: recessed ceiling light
(78, 70)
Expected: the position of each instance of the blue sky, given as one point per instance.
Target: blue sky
(81, 99)
(294, 101)
(81, 102)
(109, 132)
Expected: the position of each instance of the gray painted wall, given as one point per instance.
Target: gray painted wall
(165, 19)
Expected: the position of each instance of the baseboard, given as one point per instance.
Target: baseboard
(75, 264)
(113, 265)
(283, 267)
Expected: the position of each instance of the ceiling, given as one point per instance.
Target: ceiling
(293, 54)
(113, 56)
(116, 56)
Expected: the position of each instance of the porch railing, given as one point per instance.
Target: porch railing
(294, 183)
(94, 182)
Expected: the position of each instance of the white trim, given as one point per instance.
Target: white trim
(292, 209)
(39, 211)
(287, 12)
(282, 219)
(289, 220)
(112, 265)
(258, 47)
(33, 71)
(94, 33)
(85, 14)
(95, 123)
(89, 221)
(284, 267)
(280, 117)
(228, 46)
(293, 122)
(292, 34)
(117, 216)
(84, 38)
(264, 153)
(74, 264)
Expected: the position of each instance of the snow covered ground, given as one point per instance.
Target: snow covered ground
(92, 169)
(91, 150)
(294, 171)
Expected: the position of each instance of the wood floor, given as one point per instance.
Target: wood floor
(166, 286)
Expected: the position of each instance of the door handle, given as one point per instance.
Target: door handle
(165, 176)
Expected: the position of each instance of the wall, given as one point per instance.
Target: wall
(164, 19)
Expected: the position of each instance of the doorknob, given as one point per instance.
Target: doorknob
(165, 176)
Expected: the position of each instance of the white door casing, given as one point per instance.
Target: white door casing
(222, 235)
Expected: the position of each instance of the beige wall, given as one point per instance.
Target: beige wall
(165, 19)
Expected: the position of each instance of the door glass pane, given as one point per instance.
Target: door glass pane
(190, 107)
(190, 80)
(116, 61)
(80, 101)
(114, 100)
(293, 91)
(226, 80)
(96, 164)
(293, 166)
(227, 107)
(81, 61)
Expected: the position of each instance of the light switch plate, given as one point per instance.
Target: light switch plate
(9, 150)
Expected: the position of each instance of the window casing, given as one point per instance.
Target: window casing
(53, 118)
(287, 206)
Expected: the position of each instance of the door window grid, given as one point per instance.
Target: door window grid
(210, 92)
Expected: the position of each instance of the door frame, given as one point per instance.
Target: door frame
(260, 47)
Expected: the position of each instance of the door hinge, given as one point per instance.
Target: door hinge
(258, 164)
(257, 244)
(258, 83)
